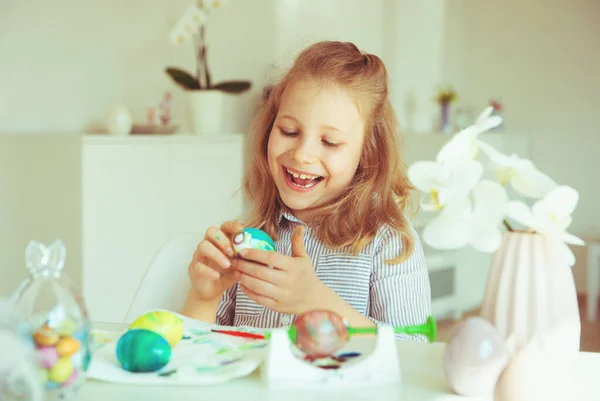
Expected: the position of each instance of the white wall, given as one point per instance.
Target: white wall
(543, 59)
(66, 62)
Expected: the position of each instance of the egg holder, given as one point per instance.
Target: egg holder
(282, 369)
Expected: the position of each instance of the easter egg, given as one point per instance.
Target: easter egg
(47, 357)
(141, 350)
(167, 324)
(320, 333)
(252, 238)
(474, 358)
(67, 346)
(61, 371)
(45, 337)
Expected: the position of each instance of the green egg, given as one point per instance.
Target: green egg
(142, 350)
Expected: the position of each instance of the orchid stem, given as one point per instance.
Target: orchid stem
(508, 227)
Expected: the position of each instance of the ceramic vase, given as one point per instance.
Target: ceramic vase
(531, 294)
(206, 108)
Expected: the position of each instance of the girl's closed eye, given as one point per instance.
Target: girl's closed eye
(331, 143)
(288, 132)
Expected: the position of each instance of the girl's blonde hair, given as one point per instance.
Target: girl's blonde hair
(380, 190)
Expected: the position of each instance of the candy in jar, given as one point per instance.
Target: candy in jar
(54, 318)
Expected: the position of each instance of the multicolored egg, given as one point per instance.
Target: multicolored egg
(320, 333)
(167, 324)
(143, 351)
(252, 238)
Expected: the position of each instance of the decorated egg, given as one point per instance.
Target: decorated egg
(474, 357)
(167, 324)
(320, 333)
(252, 238)
(143, 351)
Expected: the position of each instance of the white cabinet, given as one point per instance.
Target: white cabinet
(126, 197)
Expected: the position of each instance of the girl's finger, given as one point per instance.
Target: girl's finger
(259, 299)
(208, 250)
(200, 270)
(259, 287)
(232, 228)
(259, 271)
(218, 238)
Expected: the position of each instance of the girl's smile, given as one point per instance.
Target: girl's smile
(301, 181)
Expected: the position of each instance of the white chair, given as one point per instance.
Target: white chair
(165, 284)
(593, 279)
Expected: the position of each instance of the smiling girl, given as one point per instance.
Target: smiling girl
(327, 183)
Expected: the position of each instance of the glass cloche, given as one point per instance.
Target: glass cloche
(53, 317)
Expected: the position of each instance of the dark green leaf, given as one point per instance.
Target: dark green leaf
(185, 80)
(233, 86)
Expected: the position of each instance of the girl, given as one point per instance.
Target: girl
(327, 184)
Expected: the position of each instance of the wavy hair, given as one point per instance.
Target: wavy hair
(380, 190)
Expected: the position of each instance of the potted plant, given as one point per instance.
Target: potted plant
(502, 204)
(206, 97)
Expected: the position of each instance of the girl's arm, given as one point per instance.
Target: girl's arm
(400, 293)
(221, 312)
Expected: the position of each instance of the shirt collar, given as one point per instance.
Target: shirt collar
(287, 215)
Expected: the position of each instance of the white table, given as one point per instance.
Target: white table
(422, 376)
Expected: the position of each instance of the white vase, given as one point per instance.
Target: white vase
(531, 294)
(206, 108)
(119, 121)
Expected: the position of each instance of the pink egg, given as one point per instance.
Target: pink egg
(47, 357)
(72, 379)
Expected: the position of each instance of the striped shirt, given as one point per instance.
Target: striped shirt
(398, 294)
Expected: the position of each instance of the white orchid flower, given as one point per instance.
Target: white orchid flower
(473, 220)
(442, 184)
(550, 217)
(187, 26)
(464, 145)
(522, 174)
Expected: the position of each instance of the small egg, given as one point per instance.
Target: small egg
(61, 371)
(474, 358)
(45, 337)
(167, 324)
(320, 333)
(67, 346)
(51, 385)
(47, 357)
(66, 328)
(142, 350)
(253, 238)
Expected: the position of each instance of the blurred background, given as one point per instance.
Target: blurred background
(73, 74)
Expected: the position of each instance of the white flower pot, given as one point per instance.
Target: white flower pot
(206, 109)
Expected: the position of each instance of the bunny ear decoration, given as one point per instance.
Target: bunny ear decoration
(45, 260)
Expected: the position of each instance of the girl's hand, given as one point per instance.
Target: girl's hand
(210, 270)
(291, 286)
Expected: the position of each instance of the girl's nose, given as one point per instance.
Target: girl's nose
(304, 153)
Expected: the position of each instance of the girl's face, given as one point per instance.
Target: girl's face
(315, 146)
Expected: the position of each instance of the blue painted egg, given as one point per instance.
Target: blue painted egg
(143, 351)
(253, 238)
